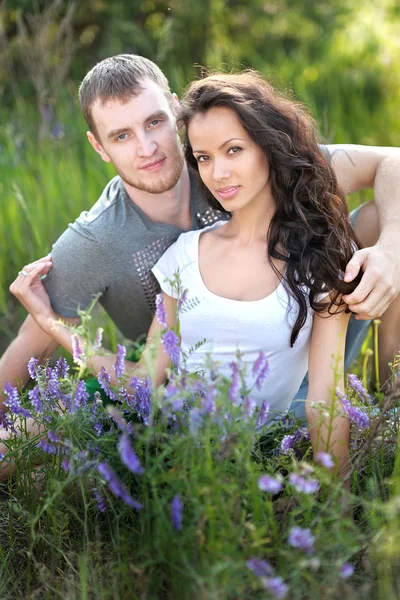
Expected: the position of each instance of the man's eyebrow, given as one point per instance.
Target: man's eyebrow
(156, 115)
(224, 143)
(116, 132)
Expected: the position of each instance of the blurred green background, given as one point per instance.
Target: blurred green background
(341, 57)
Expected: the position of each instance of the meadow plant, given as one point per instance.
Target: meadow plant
(194, 488)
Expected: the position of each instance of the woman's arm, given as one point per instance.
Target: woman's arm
(329, 432)
(31, 293)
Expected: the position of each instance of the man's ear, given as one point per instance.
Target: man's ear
(175, 104)
(97, 146)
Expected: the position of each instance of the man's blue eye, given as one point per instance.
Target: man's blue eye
(122, 136)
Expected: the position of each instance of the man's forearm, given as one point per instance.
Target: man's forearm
(13, 363)
(387, 199)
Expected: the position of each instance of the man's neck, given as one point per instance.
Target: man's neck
(172, 207)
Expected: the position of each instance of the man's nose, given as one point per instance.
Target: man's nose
(146, 145)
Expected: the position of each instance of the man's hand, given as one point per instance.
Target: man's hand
(380, 283)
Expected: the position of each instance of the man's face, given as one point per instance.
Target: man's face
(139, 137)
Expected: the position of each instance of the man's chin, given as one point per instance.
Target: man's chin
(154, 187)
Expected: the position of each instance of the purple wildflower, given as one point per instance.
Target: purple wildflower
(128, 456)
(81, 395)
(287, 443)
(66, 464)
(177, 404)
(260, 369)
(117, 417)
(325, 460)
(5, 422)
(170, 341)
(100, 500)
(32, 368)
(260, 567)
(53, 389)
(346, 571)
(208, 406)
(53, 437)
(357, 417)
(358, 387)
(98, 428)
(195, 421)
(307, 486)
(47, 447)
(61, 369)
(234, 389)
(266, 483)
(1, 456)
(36, 399)
(249, 406)
(119, 367)
(104, 380)
(259, 363)
(116, 486)
(142, 402)
(275, 586)
(13, 401)
(161, 313)
(263, 415)
(77, 350)
(302, 539)
(176, 512)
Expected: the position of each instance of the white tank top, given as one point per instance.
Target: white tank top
(230, 325)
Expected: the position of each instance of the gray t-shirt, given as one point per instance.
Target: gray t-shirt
(110, 250)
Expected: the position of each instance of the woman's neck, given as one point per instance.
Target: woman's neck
(251, 224)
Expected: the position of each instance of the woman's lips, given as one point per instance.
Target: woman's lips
(228, 192)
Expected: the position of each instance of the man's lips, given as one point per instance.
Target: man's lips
(154, 165)
(228, 191)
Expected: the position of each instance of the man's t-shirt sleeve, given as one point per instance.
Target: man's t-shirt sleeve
(78, 274)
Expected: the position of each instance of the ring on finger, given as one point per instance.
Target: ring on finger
(23, 273)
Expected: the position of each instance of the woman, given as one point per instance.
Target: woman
(270, 278)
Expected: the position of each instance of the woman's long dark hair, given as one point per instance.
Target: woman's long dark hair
(310, 230)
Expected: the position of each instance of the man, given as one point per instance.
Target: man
(109, 251)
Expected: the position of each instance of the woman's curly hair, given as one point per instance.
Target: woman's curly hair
(310, 230)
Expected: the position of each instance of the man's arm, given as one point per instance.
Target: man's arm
(357, 168)
(30, 341)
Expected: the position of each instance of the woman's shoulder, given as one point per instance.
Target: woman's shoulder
(188, 237)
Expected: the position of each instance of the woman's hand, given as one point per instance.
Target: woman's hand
(30, 291)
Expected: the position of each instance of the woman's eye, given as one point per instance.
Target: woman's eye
(202, 158)
(234, 149)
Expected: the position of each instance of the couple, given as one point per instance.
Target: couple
(266, 279)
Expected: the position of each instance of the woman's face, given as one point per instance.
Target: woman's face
(231, 165)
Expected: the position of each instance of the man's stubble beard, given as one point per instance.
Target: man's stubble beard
(163, 183)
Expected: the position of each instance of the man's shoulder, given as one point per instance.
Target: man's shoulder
(106, 206)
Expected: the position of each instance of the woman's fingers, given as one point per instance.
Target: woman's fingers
(25, 277)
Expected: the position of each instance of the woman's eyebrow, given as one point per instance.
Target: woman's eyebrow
(235, 139)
